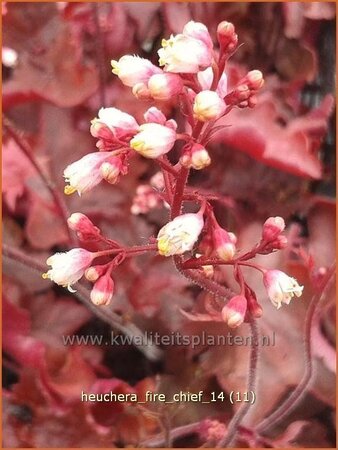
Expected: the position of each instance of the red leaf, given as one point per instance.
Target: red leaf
(291, 148)
(17, 341)
(148, 293)
(104, 414)
(16, 169)
(65, 384)
(51, 64)
(44, 227)
(53, 318)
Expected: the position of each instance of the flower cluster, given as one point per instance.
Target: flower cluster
(148, 196)
(193, 73)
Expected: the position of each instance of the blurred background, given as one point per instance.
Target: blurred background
(277, 159)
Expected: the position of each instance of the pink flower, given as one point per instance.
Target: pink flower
(205, 79)
(180, 235)
(84, 174)
(67, 268)
(165, 86)
(254, 79)
(244, 94)
(279, 243)
(198, 31)
(93, 273)
(141, 91)
(153, 140)
(84, 227)
(185, 54)
(112, 169)
(234, 311)
(208, 105)
(196, 157)
(112, 121)
(224, 243)
(272, 228)
(146, 199)
(227, 37)
(211, 431)
(154, 115)
(133, 70)
(280, 287)
(102, 291)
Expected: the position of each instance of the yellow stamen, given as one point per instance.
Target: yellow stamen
(161, 62)
(136, 145)
(115, 66)
(163, 246)
(68, 190)
(45, 276)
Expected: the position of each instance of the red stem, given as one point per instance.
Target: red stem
(167, 183)
(187, 104)
(131, 251)
(216, 76)
(198, 263)
(235, 422)
(240, 279)
(179, 191)
(165, 164)
(182, 179)
(202, 281)
(297, 395)
(100, 53)
(167, 176)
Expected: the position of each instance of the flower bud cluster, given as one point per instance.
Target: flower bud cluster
(148, 195)
(145, 200)
(118, 134)
(211, 431)
(192, 73)
(227, 37)
(68, 268)
(244, 94)
(272, 238)
(147, 80)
